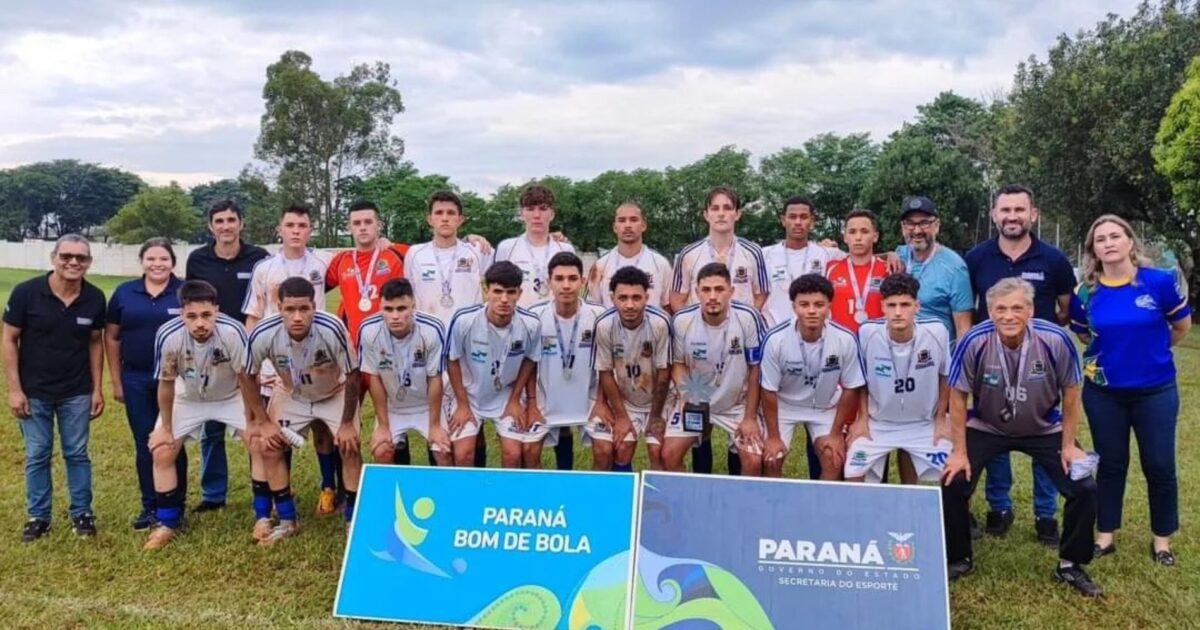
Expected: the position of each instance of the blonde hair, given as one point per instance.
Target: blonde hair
(1090, 266)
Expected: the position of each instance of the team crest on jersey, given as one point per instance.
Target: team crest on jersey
(320, 357)
(647, 349)
(549, 344)
(314, 277)
(902, 547)
(832, 363)
(875, 282)
(780, 274)
(418, 358)
(735, 346)
(924, 359)
(883, 369)
(219, 356)
(991, 379)
(518, 346)
(1147, 302)
(841, 282)
(859, 457)
(283, 362)
(463, 264)
(382, 268)
(1037, 370)
(585, 339)
(428, 275)
(815, 267)
(741, 275)
(385, 363)
(699, 351)
(479, 356)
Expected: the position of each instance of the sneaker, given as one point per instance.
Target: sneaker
(1078, 579)
(960, 568)
(145, 520)
(208, 506)
(84, 525)
(35, 528)
(999, 522)
(285, 529)
(1047, 532)
(327, 502)
(262, 528)
(160, 537)
(976, 530)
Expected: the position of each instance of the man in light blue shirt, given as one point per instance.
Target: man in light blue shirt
(945, 282)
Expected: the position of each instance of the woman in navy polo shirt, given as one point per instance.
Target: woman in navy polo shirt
(135, 311)
(1130, 315)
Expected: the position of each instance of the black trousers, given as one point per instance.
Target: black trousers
(1079, 513)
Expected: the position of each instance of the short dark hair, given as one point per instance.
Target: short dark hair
(536, 195)
(630, 276)
(296, 209)
(1013, 189)
(363, 204)
(192, 291)
(564, 259)
(505, 274)
(158, 241)
(714, 269)
(396, 288)
(722, 190)
(797, 200)
(862, 213)
(444, 195)
(222, 206)
(811, 283)
(296, 287)
(899, 283)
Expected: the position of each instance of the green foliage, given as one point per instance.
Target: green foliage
(1177, 146)
(323, 136)
(47, 199)
(25, 197)
(165, 211)
(830, 170)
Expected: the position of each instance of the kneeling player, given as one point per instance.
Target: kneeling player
(400, 351)
(633, 361)
(906, 363)
(810, 376)
(716, 351)
(205, 352)
(492, 356)
(319, 382)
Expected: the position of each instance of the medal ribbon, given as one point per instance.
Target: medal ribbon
(860, 296)
(567, 353)
(364, 286)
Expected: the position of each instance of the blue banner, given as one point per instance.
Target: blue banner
(736, 552)
(490, 548)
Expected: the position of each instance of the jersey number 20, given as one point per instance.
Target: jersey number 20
(905, 385)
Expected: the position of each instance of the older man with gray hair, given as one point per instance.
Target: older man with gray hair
(53, 358)
(1024, 378)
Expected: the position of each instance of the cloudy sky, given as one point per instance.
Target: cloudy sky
(502, 92)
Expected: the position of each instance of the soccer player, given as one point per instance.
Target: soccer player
(856, 278)
(400, 350)
(494, 349)
(905, 363)
(447, 272)
(565, 387)
(360, 273)
(716, 351)
(295, 259)
(793, 257)
(633, 361)
(318, 383)
(811, 376)
(1023, 377)
(629, 223)
(198, 359)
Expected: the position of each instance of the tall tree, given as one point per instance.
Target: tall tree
(324, 135)
(829, 169)
(165, 211)
(26, 196)
(1177, 147)
(89, 194)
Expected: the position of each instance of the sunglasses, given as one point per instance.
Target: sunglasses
(82, 259)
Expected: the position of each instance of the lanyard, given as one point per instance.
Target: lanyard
(200, 367)
(307, 345)
(497, 357)
(860, 296)
(630, 340)
(787, 259)
(444, 272)
(902, 376)
(402, 355)
(1012, 384)
(718, 366)
(812, 369)
(567, 353)
(540, 271)
(712, 252)
(364, 286)
(911, 261)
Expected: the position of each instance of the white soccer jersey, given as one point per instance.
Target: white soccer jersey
(209, 371)
(653, 263)
(312, 369)
(404, 365)
(785, 265)
(746, 269)
(534, 264)
(902, 379)
(445, 279)
(262, 296)
(809, 376)
(719, 356)
(566, 382)
(633, 355)
(491, 357)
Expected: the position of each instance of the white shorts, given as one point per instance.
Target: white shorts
(727, 421)
(401, 423)
(449, 404)
(818, 421)
(298, 415)
(597, 429)
(506, 428)
(866, 457)
(188, 417)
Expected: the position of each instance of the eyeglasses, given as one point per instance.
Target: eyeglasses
(919, 225)
(82, 259)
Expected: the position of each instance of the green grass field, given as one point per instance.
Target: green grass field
(215, 577)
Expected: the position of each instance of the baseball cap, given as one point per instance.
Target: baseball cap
(913, 205)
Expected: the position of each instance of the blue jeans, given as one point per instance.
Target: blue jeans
(141, 409)
(1000, 481)
(1152, 414)
(214, 468)
(74, 427)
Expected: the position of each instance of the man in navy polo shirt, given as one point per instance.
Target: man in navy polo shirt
(1016, 252)
(53, 357)
(227, 264)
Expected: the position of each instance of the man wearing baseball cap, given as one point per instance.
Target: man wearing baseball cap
(945, 282)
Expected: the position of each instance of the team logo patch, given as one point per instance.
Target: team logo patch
(383, 268)
(283, 362)
(875, 282)
(385, 363)
(1037, 370)
(832, 363)
(314, 277)
(883, 369)
(841, 282)
(699, 351)
(647, 349)
(924, 359)
(991, 379)
(518, 346)
(463, 265)
(585, 339)
(549, 344)
(418, 358)
(735, 346)
(219, 356)
(741, 275)
(428, 275)
(479, 356)
(779, 275)
(901, 547)
(1147, 302)
(859, 457)
(815, 267)
(320, 356)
